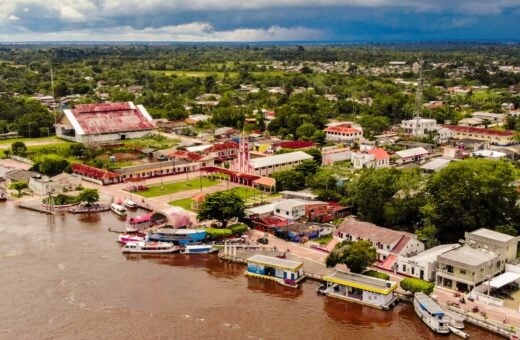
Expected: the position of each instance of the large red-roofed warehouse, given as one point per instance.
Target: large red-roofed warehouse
(104, 122)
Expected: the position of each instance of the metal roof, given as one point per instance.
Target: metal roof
(503, 279)
(275, 262)
(491, 234)
(364, 282)
(412, 152)
(436, 164)
(468, 256)
(279, 159)
(428, 304)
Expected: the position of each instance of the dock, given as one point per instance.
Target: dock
(36, 205)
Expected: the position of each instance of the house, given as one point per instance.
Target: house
(373, 158)
(362, 289)
(419, 127)
(493, 118)
(435, 164)
(496, 137)
(63, 182)
(466, 267)
(334, 154)
(303, 195)
(290, 209)
(411, 155)
(505, 246)
(91, 123)
(265, 166)
(18, 175)
(424, 264)
(389, 243)
(285, 272)
(95, 175)
(344, 133)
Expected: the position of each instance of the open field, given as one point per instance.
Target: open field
(172, 188)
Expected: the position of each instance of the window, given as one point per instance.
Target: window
(277, 210)
(463, 272)
(449, 269)
(404, 268)
(413, 270)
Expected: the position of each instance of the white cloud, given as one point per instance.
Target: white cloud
(13, 17)
(196, 31)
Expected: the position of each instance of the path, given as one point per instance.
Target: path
(34, 143)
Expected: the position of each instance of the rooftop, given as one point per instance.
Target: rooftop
(491, 234)
(109, 118)
(362, 281)
(343, 129)
(379, 153)
(370, 231)
(412, 152)
(427, 303)
(436, 164)
(279, 159)
(469, 129)
(275, 262)
(431, 254)
(468, 256)
(288, 204)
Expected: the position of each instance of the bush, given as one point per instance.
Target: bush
(376, 274)
(238, 229)
(414, 285)
(214, 233)
(61, 199)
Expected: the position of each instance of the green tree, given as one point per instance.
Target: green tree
(19, 186)
(415, 285)
(471, 194)
(319, 137)
(88, 196)
(289, 180)
(315, 153)
(356, 255)
(19, 149)
(305, 131)
(307, 167)
(77, 149)
(374, 125)
(507, 229)
(221, 206)
(51, 165)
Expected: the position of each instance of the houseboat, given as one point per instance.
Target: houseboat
(150, 247)
(362, 289)
(285, 272)
(180, 237)
(118, 209)
(125, 238)
(130, 204)
(198, 249)
(431, 313)
(138, 223)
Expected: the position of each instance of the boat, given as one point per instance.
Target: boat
(194, 234)
(198, 249)
(125, 238)
(180, 240)
(118, 209)
(150, 247)
(455, 320)
(138, 223)
(431, 313)
(130, 204)
(458, 332)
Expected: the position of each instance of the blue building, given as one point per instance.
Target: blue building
(285, 272)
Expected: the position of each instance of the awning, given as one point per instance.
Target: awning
(503, 279)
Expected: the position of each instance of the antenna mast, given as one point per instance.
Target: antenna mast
(418, 97)
(53, 97)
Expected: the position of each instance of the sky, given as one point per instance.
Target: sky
(259, 20)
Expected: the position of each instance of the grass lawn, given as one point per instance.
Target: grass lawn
(25, 140)
(324, 240)
(184, 203)
(250, 195)
(171, 188)
(153, 142)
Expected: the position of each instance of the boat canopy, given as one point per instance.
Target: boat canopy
(140, 219)
(363, 282)
(275, 262)
(429, 305)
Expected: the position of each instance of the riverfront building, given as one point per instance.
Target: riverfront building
(361, 289)
(285, 272)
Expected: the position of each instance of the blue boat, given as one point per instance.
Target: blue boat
(180, 237)
(198, 249)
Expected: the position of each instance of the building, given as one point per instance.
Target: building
(389, 244)
(18, 175)
(424, 264)
(466, 267)
(493, 118)
(63, 182)
(291, 209)
(505, 246)
(95, 175)
(373, 158)
(334, 154)
(265, 166)
(496, 137)
(345, 133)
(411, 155)
(285, 272)
(361, 289)
(92, 123)
(419, 127)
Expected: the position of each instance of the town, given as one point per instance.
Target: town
(386, 179)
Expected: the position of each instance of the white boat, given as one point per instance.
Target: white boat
(150, 247)
(198, 249)
(118, 209)
(458, 332)
(125, 238)
(130, 204)
(431, 313)
(455, 320)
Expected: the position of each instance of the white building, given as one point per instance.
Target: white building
(90, 123)
(291, 209)
(265, 166)
(345, 133)
(63, 182)
(374, 158)
(424, 264)
(411, 155)
(419, 126)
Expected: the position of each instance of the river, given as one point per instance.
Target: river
(65, 277)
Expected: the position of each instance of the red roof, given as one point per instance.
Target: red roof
(110, 118)
(298, 144)
(222, 146)
(343, 129)
(379, 153)
(93, 172)
(190, 156)
(469, 129)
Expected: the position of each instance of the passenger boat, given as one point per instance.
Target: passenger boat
(194, 234)
(118, 209)
(130, 204)
(150, 248)
(431, 313)
(198, 249)
(125, 238)
(138, 223)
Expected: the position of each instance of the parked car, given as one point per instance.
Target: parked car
(263, 240)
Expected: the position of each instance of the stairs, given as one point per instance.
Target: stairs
(401, 244)
(388, 263)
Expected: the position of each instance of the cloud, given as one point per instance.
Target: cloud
(196, 32)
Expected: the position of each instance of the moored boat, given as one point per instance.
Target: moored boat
(194, 234)
(138, 223)
(118, 209)
(431, 313)
(125, 238)
(150, 248)
(198, 249)
(130, 204)
(455, 320)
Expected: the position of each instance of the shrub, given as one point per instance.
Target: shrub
(238, 229)
(215, 233)
(417, 285)
(376, 274)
